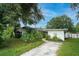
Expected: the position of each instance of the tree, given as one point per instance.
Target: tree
(77, 27)
(29, 13)
(11, 13)
(60, 22)
(75, 6)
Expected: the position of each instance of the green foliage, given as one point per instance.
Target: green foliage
(77, 27)
(25, 37)
(60, 22)
(38, 34)
(1, 43)
(75, 6)
(34, 35)
(12, 12)
(55, 38)
(7, 33)
(47, 37)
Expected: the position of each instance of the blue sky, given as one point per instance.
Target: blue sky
(51, 10)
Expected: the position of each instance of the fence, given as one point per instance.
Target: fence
(71, 35)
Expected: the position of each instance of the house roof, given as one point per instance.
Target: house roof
(43, 29)
(52, 29)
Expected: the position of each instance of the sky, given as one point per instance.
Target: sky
(50, 10)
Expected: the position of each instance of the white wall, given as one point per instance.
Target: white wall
(71, 35)
(60, 34)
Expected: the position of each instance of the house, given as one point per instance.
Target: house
(60, 33)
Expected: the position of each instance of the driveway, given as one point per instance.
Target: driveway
(46, 49)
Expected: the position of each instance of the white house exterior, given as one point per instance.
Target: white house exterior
(60, 33)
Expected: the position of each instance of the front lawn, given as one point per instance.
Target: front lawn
(17, 47)
(70, 47)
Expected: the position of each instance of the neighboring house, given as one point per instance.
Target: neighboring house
(60, 33)
(71, 35)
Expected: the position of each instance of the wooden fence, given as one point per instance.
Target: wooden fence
(71, 35)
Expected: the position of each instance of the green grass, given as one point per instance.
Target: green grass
(70, 47)
(17, 47)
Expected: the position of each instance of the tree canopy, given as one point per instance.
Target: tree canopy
(10, 14)
(75, 6)
(60, 22)
(29, 13)
(77, 27)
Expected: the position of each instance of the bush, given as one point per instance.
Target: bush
(2, 43)
(26, 37)
(7, 33)
(47, 37)
(55, 38)
(33, 36)
(38, 35)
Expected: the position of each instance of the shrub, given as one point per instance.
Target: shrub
(33, 36)
(55, 38)
(2, 43)
(38, 35)
(25, 37)
(47, 37)
(7, 33)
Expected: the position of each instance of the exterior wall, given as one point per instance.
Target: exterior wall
(59, 34)
(71, 35)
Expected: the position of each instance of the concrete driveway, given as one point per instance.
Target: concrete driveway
(46, 49)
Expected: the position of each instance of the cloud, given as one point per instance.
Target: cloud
(72, 15)
(48, 14)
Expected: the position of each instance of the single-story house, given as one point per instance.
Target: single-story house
(60, 33)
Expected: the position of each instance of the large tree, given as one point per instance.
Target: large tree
(60, 22)
(29, 13)
(11, 13)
